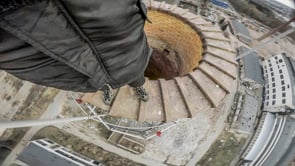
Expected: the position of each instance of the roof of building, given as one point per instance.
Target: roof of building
(252, 66)
(220, 3)
(241, 31)
(245, 123)
(36, 155)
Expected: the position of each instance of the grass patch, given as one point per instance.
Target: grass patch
(223, 150)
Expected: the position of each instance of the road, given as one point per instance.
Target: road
(284, 151)
(289, 156)
(51, 112)
(278, 146)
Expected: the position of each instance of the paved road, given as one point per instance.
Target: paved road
(284, 151)
(52, 111)
(289, 156)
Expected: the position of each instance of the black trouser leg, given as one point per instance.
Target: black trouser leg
(138, 82)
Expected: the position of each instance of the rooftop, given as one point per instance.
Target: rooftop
(252, 66)
(38, 153)
(241, 31)
(247, 116)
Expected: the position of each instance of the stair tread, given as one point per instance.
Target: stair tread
(153, 109)
(96, 99)
(164, 6)
(215, 35)
(214, 93)
(191, 16)
(195, 99)
(200, 21)
(174, 105)
(224, 80)
(142, 105)
(221, 64)
(224, 45)
(126, 103)
(155, 4)
(229, 56)
(210, 28)
(178, 10)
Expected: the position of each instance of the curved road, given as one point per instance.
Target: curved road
(278, 147)
(284, 151)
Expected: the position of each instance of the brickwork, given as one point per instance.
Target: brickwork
(178, 35)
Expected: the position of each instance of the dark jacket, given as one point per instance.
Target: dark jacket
(73, 44)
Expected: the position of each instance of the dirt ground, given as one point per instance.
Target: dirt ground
(224, 150)
(29, 102)
(189, 139)
(80, 146)
(283, 45)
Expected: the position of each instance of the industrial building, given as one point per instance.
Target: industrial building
(279, 73)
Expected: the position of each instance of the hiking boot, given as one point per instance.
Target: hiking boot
(142, 94)
(107, 94)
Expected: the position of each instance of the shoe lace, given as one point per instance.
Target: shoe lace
(107, 94)
(141, 91)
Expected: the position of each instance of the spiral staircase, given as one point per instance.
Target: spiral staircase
(207, 80)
